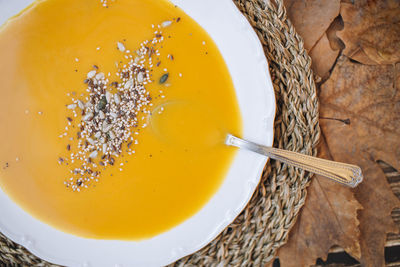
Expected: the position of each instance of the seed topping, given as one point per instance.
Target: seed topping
(107, 120)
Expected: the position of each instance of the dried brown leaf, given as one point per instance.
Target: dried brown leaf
(328, 218)
(311, 18)
(371, 31)
(323, 57)
(369, 98)
(331, 32)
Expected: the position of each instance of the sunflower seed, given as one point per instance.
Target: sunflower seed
(166, 23)
(100, 76)
(93, 154)
(91, 74)
(106, 127)
(88, 116)
(117, 99)
(109, 96)
(80, 104)
(71, 106)
(121, 47)
(101, 115)
(128, 84)
(140, 77)
(97, 134)
(104, 148)
(88, 105)
(112, 135)
(90, 140)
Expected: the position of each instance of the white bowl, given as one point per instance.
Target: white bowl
(248, 67)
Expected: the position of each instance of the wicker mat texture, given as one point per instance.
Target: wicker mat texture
(253, 238)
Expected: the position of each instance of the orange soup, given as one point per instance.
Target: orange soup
(114, 115)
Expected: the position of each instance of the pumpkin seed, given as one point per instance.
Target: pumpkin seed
(164, 78)
(102, 103)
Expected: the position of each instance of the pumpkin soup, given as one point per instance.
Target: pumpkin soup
(114, 115)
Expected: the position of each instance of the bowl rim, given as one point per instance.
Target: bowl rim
(245, 59)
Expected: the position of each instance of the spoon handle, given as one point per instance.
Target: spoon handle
(343, 173)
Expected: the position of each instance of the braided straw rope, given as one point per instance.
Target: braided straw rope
(253, 238)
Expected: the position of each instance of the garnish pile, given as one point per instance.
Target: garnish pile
(109, 119)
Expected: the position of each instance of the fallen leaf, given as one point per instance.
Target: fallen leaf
(360, 119)
(334, 41)
(371, 31)
(323, 57)
(311, 18)
(328, 218)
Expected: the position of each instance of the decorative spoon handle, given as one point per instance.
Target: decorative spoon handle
(343, 173)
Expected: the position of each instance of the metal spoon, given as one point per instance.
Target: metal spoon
(343, 173)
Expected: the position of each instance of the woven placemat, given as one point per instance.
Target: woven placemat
(253, 238)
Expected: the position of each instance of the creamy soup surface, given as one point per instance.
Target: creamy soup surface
(176, 158)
